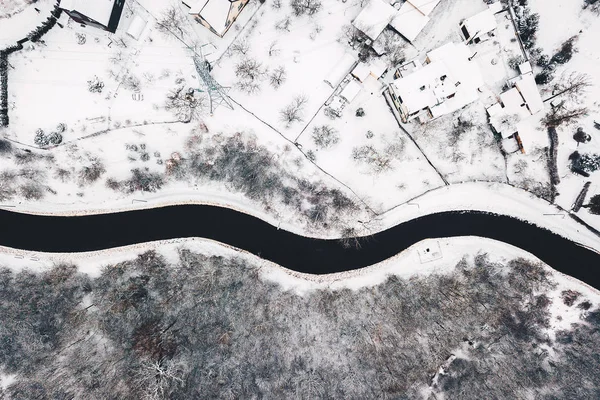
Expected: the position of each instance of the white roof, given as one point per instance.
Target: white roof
(98, 10)
(373, 19)
(495, 7)
(361, 71)
(424, 6)
(215, 12)
(505, 117)
(340, 70)
(351, 90)
(480, 24)
(409, 21)
(197, 6)
(525, 68)
(449, 73)
(378, 67)
(137, 26)
(530, 93)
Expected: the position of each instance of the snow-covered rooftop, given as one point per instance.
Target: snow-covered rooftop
(215, 12)
(361, 71)
(373, 19)
(528, 88)
(481, 23)
(340, 70)
(98, 10)
(424, 6)
(447, 83)
(506, 116)
(409, 21)
(351, 90)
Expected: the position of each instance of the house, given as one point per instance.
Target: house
(449, 80)
(510, 117)
(482, 25)
(216, 15)
(409, 20)
(412, 17)
(102, 14)
(373, 19)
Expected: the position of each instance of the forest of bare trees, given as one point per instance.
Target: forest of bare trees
(210, 327)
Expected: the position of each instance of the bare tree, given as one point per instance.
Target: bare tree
(278, 76)
(155, 378)
(240, 46)
(250, 72)
(273, 49)
(325, 136)
(284, 24)
(309, 7)
(293, 111)
(187, 105)
(572, 85)
(171, 21)
(563, 114)
(249, 69)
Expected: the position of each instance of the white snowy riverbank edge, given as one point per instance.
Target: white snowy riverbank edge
(405, 264)
(494, 198)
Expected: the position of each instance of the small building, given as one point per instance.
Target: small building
(339, 71)
(412, 17)
(351, 90)
(510, 117)
(481, 26)
(136, 27)
(216, 15)
(363, 70)
(448, 81)
(102, 14)
(373, 19)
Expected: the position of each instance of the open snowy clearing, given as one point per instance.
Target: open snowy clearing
(560, 21)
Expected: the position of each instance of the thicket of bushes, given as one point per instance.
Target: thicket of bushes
(209, 327)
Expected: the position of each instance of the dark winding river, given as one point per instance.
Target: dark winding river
(315, 256)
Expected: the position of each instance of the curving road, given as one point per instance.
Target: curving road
(299, 253)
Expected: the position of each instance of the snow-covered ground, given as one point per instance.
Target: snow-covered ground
(19, 17)
(560, 21)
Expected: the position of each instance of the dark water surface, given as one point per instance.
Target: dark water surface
(315, 256)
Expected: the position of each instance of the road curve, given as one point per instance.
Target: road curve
(315, 256)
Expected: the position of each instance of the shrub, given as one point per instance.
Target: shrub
(31, 191)
(585, 162)
(143, 180)
(91, 173)
(565, 53)
(5, 146)
(325, 136)
(309, 7)
(293, 111)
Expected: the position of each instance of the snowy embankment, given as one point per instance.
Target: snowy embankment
(406, 264)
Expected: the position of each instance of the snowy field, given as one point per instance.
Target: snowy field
(19, 17)
(560, 21)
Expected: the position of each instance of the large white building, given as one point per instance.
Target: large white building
(448, 81)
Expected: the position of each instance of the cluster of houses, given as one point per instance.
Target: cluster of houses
(408, 18)
(215, 15)
(450, 78)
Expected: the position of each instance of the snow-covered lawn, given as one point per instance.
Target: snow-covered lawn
(49, 83)
(560, 21)
(395, 170)
(19, 17)
(307, 49)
